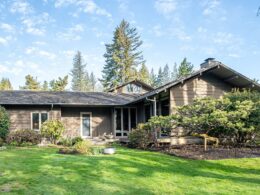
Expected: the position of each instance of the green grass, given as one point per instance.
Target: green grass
(43, 171)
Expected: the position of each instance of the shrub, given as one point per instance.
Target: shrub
(83, 147)
(97, 150)
(1, 142)
(67, 151)
(233, 117)
(141, 137)
(65, 142)
(23, 137)
(76, 140)
(52, 130)
(4, 123)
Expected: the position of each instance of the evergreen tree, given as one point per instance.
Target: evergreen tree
(45, 86)
(166, 77)
(153, 78)
(174, 74)
(122, 56)
(159, 80)
(92, 81)
(185, 68)
(59, 84)
(79, 74)
(5, 84)
(31, 83)
(144, 74)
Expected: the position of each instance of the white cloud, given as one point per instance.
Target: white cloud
(21, 6)
(68, 53)
(39, 52)
(36, 25)
(224, 38)
(165, 6)
(202, 30)
(72, 33)
(234, 55)
(87, 6)
(39, 43)
(157, 30)
(210, 6)
(3, 41)
(7, 27)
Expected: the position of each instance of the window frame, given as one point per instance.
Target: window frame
(40, 119)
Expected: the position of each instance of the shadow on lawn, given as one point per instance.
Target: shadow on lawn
(108, 174)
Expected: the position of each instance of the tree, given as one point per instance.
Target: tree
(4, 123)
(153, 78)
(45, 86)
(122, 56)
(31, 83)
(79, 74)
(185, 68)
(5, 84)
(144, 74)
(166, 77)
(92, 81)
(174, 74)
(159, 80)
(59, 84)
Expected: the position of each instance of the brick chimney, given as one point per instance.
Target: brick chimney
(208, 62)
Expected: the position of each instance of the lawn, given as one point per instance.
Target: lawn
(43, 171)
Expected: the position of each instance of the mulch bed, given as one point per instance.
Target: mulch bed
(197, 152)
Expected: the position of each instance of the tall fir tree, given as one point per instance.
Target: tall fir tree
(166, 74)
(159, 80)
(185, 68)
(31, 83)
(92, 82)
(153, 78)
(79, 75)
(122, 56)
(59, 84)
(45, 86)
(174, 73)
(143, 74)
(5, 84)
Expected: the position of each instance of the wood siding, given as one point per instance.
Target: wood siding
(203, 86)
(20, 116)
(101, 120)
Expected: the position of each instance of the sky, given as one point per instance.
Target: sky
(40, 37)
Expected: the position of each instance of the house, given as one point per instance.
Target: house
(91, 114)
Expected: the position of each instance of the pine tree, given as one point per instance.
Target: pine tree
(122, 56)
(59, 84)
(174, 74)
(144, 74)
(153, 78)
(92, 81)
(31, 83)
(79, 74)
(159, 80)
(45, 86)
(5, 84)
(166, 74)
(185, 68)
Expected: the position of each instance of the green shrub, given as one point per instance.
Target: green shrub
(67, 151)
(76, 140)
(23, 137)
(141, 137)
(52, 130)
(1, 142)
(83, 147)
(4, 123)
(97, 150)
(65, 141)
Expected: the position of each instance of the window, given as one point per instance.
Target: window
(38, 119)
(131, 88)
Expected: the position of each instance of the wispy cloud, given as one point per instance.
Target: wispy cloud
(165, 6)
(7, 27)
(210, 6)
(21, 7)
(39, 52)
(86, 6)
(72, 33)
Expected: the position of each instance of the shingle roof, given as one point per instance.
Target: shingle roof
(63, 98)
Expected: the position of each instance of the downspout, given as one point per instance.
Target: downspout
(154, 105)
(51, 111)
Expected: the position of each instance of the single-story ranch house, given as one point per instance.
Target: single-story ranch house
(92, 114)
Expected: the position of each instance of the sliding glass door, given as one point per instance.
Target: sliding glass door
(125, 121)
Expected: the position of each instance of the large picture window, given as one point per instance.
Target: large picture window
(37, 119)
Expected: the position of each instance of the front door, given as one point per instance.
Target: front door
(86, 124)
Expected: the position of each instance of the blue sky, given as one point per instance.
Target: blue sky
(40, 37)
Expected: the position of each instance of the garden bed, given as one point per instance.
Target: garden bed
(213, 153)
